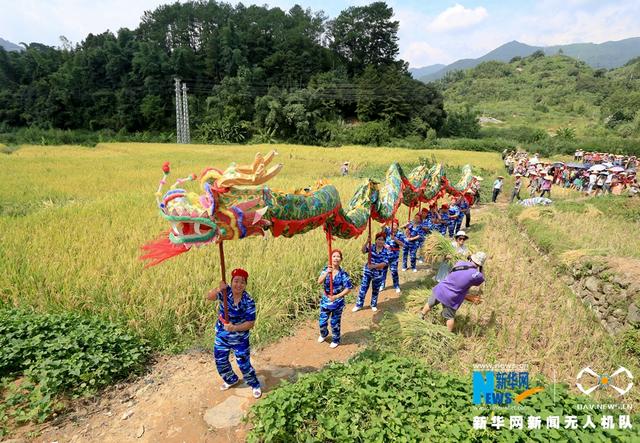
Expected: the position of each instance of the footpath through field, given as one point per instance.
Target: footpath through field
(179, 400)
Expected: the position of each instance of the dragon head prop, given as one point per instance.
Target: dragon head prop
(231, 206)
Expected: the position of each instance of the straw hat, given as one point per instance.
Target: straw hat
(479, 258)
(500, 177)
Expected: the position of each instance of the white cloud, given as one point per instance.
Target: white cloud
(567, 24)
(44, 21)
(421, 53)
(457, 17)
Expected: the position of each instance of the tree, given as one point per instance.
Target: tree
(365, 35)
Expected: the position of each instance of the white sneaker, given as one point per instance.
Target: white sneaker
(398, 290)
(257, 392)
(415, 270)
(226, 385)
(321, 338)
(374, 309)
(420, 261)
(381, 288)
(333, 345)
(356, 309)
(404, 269)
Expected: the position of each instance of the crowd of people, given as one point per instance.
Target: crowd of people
(592, 173)
(383, 255)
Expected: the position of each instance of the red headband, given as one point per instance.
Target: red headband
(380, 234)
(338, 251)
(239, 272)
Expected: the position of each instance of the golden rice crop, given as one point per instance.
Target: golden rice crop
(72, 220)
(440, 248)
(421, 338)
(574, 255)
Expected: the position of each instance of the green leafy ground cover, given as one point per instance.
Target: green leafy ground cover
(381, 397)
(43, 356)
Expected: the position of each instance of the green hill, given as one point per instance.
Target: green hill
(550, 92)
(607, 55)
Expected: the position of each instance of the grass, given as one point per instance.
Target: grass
(602, 224)
(73, 219)
(528, 316)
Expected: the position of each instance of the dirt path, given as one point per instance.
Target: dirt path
(179, 400)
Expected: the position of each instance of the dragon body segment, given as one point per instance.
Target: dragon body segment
(236, 204)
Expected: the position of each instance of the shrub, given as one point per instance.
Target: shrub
(381, 397)
(566, 133)
(224, 131)
(375, 133)
(61, 354)
(631, 342)
(462, 124)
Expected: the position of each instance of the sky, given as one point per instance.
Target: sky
(431, 31)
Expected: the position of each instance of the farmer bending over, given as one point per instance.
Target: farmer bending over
(453, 290)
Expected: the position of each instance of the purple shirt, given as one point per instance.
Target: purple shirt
(452, 290)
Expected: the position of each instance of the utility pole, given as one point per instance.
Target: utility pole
(179, 115)
(185, 115)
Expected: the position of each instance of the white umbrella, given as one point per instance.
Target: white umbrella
(534, 161)
(597, 168)
(607, 164)
(616, 169)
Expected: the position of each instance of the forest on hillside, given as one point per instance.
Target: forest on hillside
(251, 71)
(257, 74)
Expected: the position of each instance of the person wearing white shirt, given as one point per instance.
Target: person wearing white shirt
(497, 187)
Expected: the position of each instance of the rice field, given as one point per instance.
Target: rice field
(72, 220)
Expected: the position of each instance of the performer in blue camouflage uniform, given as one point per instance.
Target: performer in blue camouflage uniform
(332, 304)
(372, 272)
(434, 218)
(454, 215)
(413, 232)
(234, 334)
(394, 239)
(444, 219)
(464, 213)
(462, 205)
(427, 226)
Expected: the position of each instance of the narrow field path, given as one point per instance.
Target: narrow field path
(179, 399)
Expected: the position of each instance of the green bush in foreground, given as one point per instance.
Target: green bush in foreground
(55, 354)
(377, 397)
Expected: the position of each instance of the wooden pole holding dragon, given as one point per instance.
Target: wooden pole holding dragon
(223, 272)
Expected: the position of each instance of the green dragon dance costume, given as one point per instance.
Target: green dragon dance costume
(236, 204)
